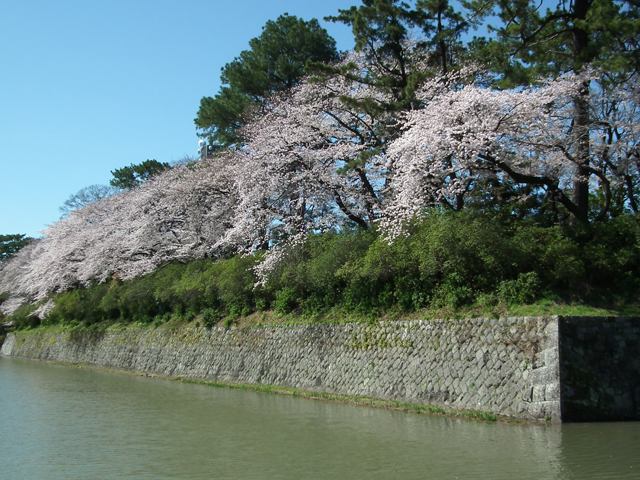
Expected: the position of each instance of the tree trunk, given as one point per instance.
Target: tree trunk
(582, 153)
(581, 115)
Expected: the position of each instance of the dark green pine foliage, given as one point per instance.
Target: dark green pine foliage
(381, 30)
(534, 42)
(384, 31)
(275, 61)
(130, 177)
(397, 41)
(10, 244)
(443, 27)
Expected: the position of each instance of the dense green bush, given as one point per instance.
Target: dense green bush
(446, 260)
(81, 305)
(454, 259)
(24, 318)
(309, 279)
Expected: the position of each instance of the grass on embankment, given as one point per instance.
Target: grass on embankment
(270, 318)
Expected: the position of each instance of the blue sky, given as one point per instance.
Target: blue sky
(90, 86)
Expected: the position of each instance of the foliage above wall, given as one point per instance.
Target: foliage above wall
(449, 261)
(408, 125)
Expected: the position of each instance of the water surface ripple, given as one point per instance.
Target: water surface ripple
(68, 423)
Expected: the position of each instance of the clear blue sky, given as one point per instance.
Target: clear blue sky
(90, 86)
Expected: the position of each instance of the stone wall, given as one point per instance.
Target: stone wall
(600, 368)
(504, 366)
(537, 368)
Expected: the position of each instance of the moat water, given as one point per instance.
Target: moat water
(70, 423)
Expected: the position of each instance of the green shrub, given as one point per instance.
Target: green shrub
(287, 300)
(523, 290)
(161, 319)
(452, 293)
(81, 305)
(234, 281)
(446, 260)
(23, 317)
(210, 317)
(309, 276)
(611, 255)
(554, 256)
(461, 250)
(188, 291)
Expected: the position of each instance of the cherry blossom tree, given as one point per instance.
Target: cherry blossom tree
(307, 165)
(178, 215)
(316, 160)
(522, 135)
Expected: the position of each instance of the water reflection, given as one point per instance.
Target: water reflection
(61, 422)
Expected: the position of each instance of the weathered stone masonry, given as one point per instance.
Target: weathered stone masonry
(539, 368)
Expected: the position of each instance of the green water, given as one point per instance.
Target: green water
(67, 423)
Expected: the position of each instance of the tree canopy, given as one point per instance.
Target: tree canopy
(405, 125)
(85, 196)
(532, 43)
(275, 61)
(535, 41)
(126, 178)
(11, 244)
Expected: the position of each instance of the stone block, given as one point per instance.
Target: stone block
(544, 375)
